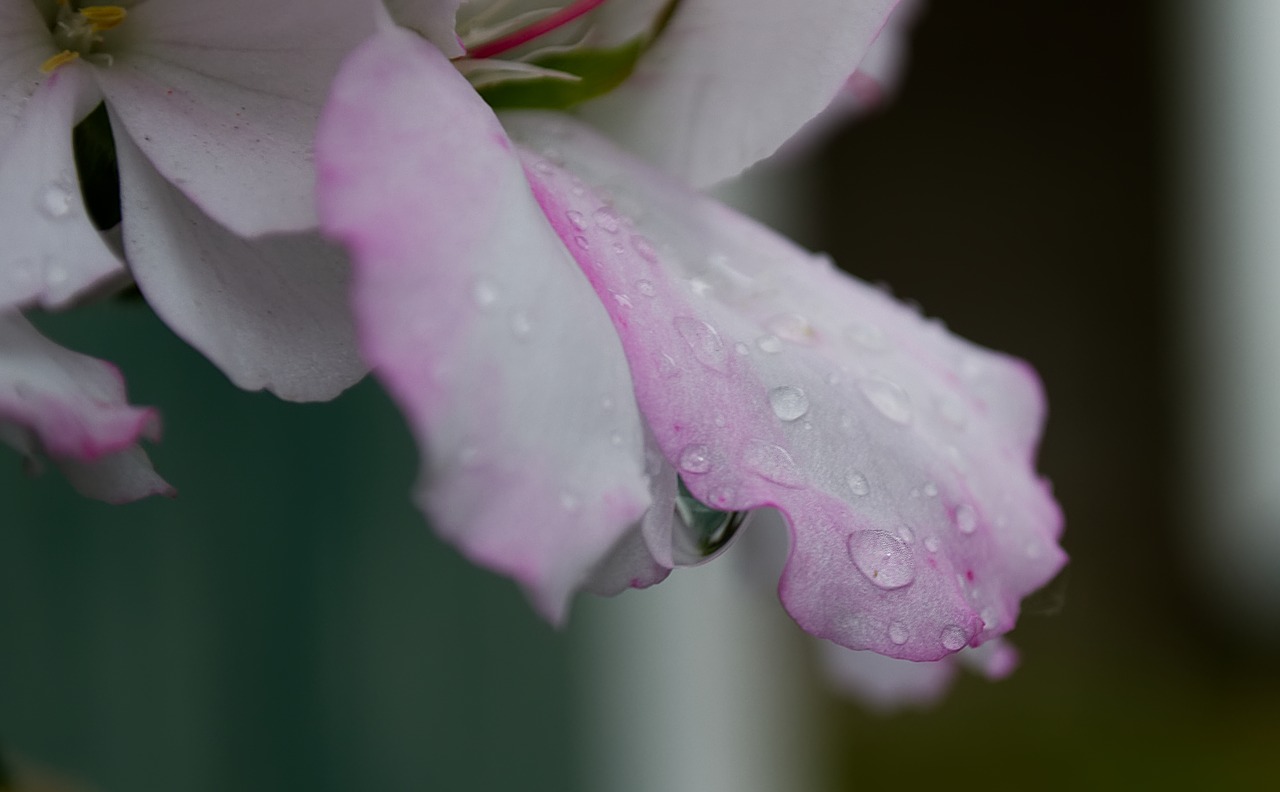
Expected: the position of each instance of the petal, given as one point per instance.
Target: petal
(223, 99)
(72, 408)
(887, 684)
(728, 82)
(479, 323)
(900, 455)
(51, 250)
(433, 19)
(271, 312)
(25, 43)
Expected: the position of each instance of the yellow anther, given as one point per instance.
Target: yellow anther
(103, 17)
(61, 59)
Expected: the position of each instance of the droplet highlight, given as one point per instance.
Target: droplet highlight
(705, 342)
(954, 638)
(774, 463)
(889, 398)
(884, 559)
(858, 484)
(966, 519)
(789, 403)
(695, 459)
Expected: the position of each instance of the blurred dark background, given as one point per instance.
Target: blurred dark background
(289, 623)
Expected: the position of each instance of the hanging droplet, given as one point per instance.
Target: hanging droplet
(884, 559)
(954, 638)
(701, 532)
(788, 402)
(695, 458)
(705, 342)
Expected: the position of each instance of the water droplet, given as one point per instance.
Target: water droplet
(869, 337)
(543, 167)
(889, 398)
(931, 490)
(793, 328)
(607, 219)
(858, 483)
(56, 201)
(646, 288)
(699, 287)
(954, 638)
(484, 294)
(883, 558)
(966, 519)
(578, 220)
(705, 342)
(989, 618)
(621, 299)
(769, 343)
(667, 366)
(931, 544)
(618, 248)
(521, 327)
(702, 532)
(898, 633)
(773, 463)
(645, 248)
(581, 242)
(695, 458)
(741, 348)
(788, 402)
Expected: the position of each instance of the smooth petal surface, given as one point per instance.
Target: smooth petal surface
(480, 324)
(729, 81)
(25, 43)
(72, 408)
(433, 19)
(271, 312)
(901, 456)
(223, 98)
(51, 252)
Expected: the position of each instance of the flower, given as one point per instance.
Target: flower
(208, 115)
(72, 408)
(573, 336)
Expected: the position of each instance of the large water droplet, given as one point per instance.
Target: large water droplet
(954, 638)
(889, 398)
(705, 342)
(701, 532)
(56, 201)
(966, 519)
(858, 484)
(788, 402)
(883, 558)
(773, 463)
(695, 458)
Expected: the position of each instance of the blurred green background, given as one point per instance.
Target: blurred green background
(289, 623)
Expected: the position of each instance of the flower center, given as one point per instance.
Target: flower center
(78, 31)
(537, 28)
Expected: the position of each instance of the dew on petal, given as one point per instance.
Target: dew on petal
(898, 633)
(932, 544)
(789, 403)
(884, 559)
(699, 287)
(966, 519)
(858, 484)
(581, 242)
(578, 220)
(954, 638)
(889, 398)
(646, 288)
(793, 328)
(607, 219)
(769, 343)
(741, 348)
(773, 463)
(701, 532)
(930, 490)
(705, 342)
(695, 458)
(56, 201)
(645, 248)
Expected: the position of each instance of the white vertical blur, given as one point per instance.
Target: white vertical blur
(701, 684)
(1228, 90)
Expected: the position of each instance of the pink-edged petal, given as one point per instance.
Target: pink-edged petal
(72, 408)
(901, 456)
(271, 312)
(479, 323)
(886, 684)
(728, 81)
(223, 97)
(434, 20)
(51, 252)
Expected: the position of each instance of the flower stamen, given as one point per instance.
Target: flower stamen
(543, 26)
(59, 60)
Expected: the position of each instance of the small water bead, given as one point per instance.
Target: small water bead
(930, 490)
(889, 398)
(741, 348)
(705, 342)
(644, 247)
(646, 288)
(607, 219)
(858, 484)
(898, 633)
(56, 201)
(774, 463)
(793, 328)
(954, 638)
(578, 220)
(789, 403)
(484, 294)
(966, 519)
(695, 458)
(989, 618)
(770, 344)
(668, 367)
(582, 242)
(884, 559)
(543, 167)
(622, 299)
(699, 287)
(618, 248)
(932, 544)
